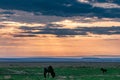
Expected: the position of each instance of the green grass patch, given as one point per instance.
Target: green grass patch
(62, 73)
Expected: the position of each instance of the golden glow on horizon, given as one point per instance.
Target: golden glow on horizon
(61, 47)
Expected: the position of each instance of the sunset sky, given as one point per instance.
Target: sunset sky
(40, 28)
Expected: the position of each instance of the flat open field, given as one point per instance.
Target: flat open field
(64, 71)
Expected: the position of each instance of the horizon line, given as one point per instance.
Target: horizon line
(94, 56)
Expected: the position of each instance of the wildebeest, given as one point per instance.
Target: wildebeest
(49, 70)
(103, 70)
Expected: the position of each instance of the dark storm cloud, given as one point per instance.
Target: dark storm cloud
(59, 8)
(62, 32)
(24, 35)
(102, 30)
(1, 26)
(4, 15)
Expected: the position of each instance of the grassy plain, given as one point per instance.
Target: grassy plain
(64, 71)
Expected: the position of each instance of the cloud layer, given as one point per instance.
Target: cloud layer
(100, 8)
(62, 32)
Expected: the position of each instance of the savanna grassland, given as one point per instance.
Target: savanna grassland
(64, 71)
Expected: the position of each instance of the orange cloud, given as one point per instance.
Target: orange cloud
(74, 24)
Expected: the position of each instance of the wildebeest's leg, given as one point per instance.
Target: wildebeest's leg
(53, 74)
(44, 75)
(103, 71)
(48, 74)
(45, 72)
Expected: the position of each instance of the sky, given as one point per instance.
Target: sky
(57, 28)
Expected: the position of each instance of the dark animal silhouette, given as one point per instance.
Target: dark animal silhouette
(49, 70)
(103, 70)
